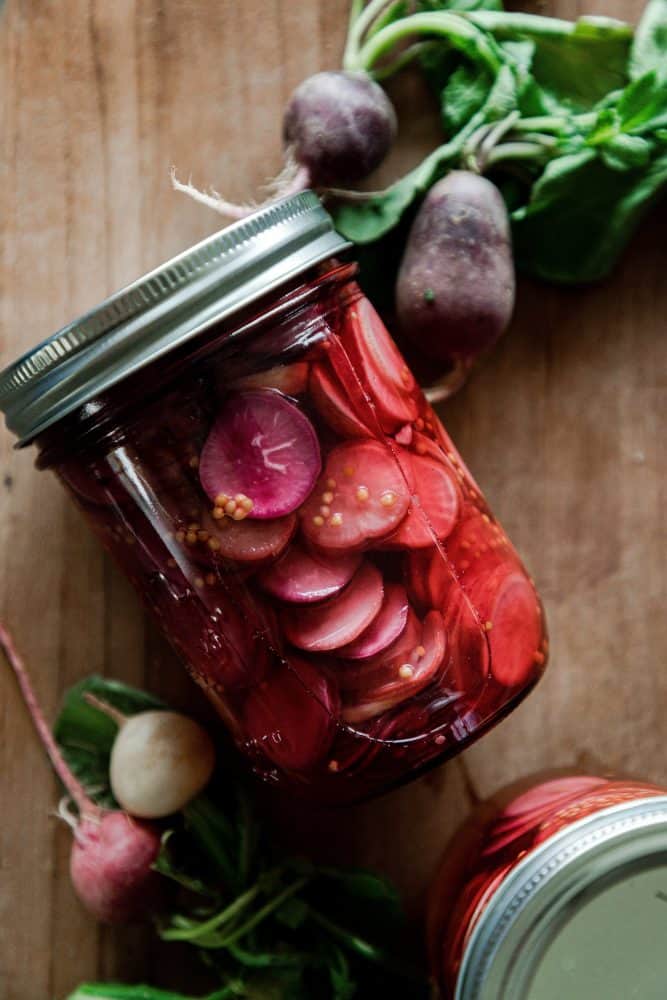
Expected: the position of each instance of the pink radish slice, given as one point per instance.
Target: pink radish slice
(509, 608)
(340, 619)
(549, 794)
(263, 446)
(423, 445)
(435, 503)
(331, 403)
(398, 673)
(364, 496)
(381, 368)
(386, 627)
(467, 643)
(248, 541)
(292, 715)
(303, 577)
(290, 379)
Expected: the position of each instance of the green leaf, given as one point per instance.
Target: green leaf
(86, 735)
(578, 63)
(581, 216)
(463, 96)
(292, 913)
(460, 5)
(642, 106)
(111, 991)
(649, 48)
(625, 152)
(364, 885)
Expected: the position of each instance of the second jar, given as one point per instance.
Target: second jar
(289, 507)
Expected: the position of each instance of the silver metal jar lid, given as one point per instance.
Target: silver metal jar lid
(165, 308)
(561, 919)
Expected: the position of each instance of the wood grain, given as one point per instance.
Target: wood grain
(564, 427)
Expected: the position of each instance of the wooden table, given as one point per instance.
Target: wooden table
(564, 427)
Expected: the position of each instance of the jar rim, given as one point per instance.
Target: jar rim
(168, 306)
(529, 907)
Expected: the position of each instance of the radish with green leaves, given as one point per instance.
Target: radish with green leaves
(337, 128)
(112, 858)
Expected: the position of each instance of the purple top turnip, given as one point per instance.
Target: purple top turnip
(455, 289)
(111, 863)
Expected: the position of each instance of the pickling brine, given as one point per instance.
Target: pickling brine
(295, 516)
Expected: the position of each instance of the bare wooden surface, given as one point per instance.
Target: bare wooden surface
(564, 428)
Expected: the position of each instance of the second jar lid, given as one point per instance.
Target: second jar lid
(165, 308)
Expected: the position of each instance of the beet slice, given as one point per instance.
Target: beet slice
(330, 400)
(384, 629)
(509, 609)
(292, 715)
(398, 673)
(339, 620)
(247, 541)
(361, 495)
(262, 446)
(302, 577)
(435, 503)
(289, 379)
(381, 368)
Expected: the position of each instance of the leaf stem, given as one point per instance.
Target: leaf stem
(236, 907)
(263, 913)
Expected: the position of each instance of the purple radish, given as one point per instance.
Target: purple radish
(362, 495)
(386, 627)
(455, 287)
(338, 127)
(111, 863)
(261, 448)
(339, 620)
(303, 577)
(247, 541)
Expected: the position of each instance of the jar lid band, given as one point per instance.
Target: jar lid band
(164, 309)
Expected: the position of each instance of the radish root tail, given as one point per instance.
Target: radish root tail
(73, 786)
(105, 708)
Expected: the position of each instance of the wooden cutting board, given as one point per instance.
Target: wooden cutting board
(564, 427)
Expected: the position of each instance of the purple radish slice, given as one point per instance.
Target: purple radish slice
(112, 856)
(331, 402)
(292, 715)
(264, 447)
(384, 629)
(302, 577)
(339, 620)
(435, 504)
(398, 673)
(247, 541)
(362, 495)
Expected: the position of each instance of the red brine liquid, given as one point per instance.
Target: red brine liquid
(293, 512)
(499, 835)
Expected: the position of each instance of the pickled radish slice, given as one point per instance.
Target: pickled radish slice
(361, 495)
(384, 629)
(428, 578)
(467, 642)
(398, 673)
(339, 620)
(380, 367)
(510, 612)
(290, 379)
(291, 716)
(264, 447)
(329, 398)
(247, 541)
(302, 577)
(435, 502)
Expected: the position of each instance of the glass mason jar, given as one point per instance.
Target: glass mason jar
(559, 891)
(245, 439)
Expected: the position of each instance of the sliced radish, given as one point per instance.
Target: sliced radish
(510, 611)
(292, 715)
(435, 503)
(331, 402)
(339, 620)
(428, 578)
(382, 370)
(467, 642)
(423, 445)
(398, 673)
(303, 577)
(361, 495)
(386, 627)
(247, 541)
(290, 379)
(264, 447)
